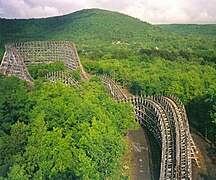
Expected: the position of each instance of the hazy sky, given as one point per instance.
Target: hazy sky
(153, 11)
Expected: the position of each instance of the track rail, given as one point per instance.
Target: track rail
(61, 76)
(114, 90)
(13, 65)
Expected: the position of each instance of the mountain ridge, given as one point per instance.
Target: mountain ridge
(191, 29)
(69, 22)
(96, 29)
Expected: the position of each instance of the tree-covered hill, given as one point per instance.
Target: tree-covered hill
(86, 26)
(101, 31)
(208, 30)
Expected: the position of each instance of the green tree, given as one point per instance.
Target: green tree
(13, 95)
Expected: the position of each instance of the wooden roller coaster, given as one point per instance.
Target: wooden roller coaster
(19, 56)
(165, 117)
(61, 76)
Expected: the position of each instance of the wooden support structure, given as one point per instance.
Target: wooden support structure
(166, 118)
(19, 56)
(62, 77)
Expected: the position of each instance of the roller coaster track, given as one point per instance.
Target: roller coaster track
(61, 76)
(19, 56)
(164, 116)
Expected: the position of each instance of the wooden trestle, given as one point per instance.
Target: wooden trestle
(166, 118)
(62, 77)
(19, 56)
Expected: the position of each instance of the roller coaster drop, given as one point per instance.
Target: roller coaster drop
(163, 116)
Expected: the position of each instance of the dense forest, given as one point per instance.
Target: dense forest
(83, 122)
(54, 131)
(207, 30)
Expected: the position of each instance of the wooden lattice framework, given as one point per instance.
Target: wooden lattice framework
(166, 118)
(62, 77)
(19, 56)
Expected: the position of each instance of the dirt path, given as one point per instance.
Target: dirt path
(140, 155)
(207, 157)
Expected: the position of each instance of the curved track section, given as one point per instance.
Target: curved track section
(166, 118)
(19, 56)
(182, 135)
(13, 64)
(114, 90)
(152, 115)
(61, 76)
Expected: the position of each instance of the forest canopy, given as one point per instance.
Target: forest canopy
(56, 131)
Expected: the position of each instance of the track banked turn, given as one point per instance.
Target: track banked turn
(19, 56)
(166, 118)
(163, 116)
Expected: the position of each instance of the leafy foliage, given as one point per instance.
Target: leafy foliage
(13, 99)
(146, 76)
(191, 29)
(40, 70)
(70, 133)
(203, 112)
